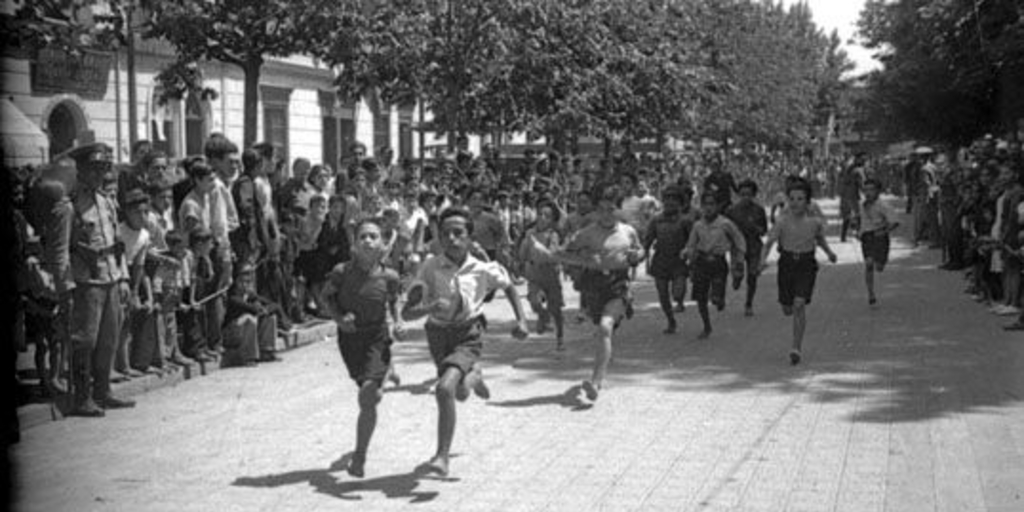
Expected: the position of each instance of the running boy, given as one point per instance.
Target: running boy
(668, 234)
(450, 291)
(361, 295)
(749, 216)
(607, 249)
(712, 237)
(543, 277)
(798, 234)
(876, 222)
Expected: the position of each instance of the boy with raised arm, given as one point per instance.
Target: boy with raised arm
(798, 234)
(450, 290)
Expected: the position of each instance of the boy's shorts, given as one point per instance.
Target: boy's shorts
(367, 354)
(710, 273)
(797, 274)
(551, 290)
(456, 345)
(875, 247)
(598, 288)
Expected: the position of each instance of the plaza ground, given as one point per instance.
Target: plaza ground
(915, 405)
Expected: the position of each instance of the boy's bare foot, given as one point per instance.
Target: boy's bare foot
(749, 311)
(560, 345)
(705, 334)
(393, 377)
(356, 467)
(872, 301)
(475, 380)
(590, 390)
(671, 329)
(437, 465)
(794, 357)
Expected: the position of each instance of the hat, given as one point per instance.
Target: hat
(93, 156)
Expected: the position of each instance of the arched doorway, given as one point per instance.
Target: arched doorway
(62, 127)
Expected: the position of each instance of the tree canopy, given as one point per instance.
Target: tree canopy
(953, 69)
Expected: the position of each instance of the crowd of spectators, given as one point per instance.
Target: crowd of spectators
(145, 267)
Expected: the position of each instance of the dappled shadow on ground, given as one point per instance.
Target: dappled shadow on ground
(925, 351)
(400, 486)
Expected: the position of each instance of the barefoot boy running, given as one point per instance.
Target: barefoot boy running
(360, 295)
(876, 222)
(606, 249)
(713, 236)
(798, 234)
(668, 234)
(451, 290)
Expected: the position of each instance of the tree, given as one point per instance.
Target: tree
(237, 32)
(952, 70)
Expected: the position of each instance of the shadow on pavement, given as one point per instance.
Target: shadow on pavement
(401, 486)
(926, 351)
(570, 399)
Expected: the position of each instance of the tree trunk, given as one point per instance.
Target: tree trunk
(252, 98)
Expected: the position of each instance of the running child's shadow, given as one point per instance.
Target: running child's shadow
(399, 486)
(422, 388)
(569, 399)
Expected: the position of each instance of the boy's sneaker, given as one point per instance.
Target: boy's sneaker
(590, 390)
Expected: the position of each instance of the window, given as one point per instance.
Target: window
(275, 118)
(195, 126)
(381, 121)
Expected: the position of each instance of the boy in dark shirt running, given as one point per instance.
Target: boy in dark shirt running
(750, 217)
(361, 295)
(668, 234)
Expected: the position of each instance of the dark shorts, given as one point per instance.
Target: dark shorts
(598, 288)
(797, 273)
(710, 273)
(456, 345)
(753, 255)
(550, 290)
(668, 267)
(875, 247)
(367, 354)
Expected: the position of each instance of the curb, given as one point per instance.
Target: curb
(36, 414)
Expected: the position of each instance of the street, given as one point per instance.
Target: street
(914, 405)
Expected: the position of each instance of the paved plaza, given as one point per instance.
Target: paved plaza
(915, 405)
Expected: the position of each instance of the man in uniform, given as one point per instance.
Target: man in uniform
(100, 276)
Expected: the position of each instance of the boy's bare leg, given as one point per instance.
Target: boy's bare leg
(799, 326)
(665, 300)
(705, 317)
(869, 280)
(369, 397)
(613, 311)
(445, 395)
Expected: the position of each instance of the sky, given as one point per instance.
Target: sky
(842, 15)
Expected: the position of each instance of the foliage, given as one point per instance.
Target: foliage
(950, 67)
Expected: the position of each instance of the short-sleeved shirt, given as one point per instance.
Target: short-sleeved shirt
(465, 286)
(798, 233)
(610, 244)
(875, 216)
(363, 294)
(537, 269)
(751, 219)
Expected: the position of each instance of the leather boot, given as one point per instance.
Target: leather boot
(82, 382)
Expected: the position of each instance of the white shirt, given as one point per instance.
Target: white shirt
(463, 287)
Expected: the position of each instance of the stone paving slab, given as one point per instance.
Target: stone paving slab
(912, 406)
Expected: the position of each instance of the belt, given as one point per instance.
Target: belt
(797, 255)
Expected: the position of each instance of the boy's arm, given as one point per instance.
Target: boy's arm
(769, 244)
(820, 239)
(520, 331)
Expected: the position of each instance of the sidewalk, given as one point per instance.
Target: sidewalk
(912, 406)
